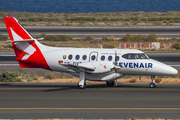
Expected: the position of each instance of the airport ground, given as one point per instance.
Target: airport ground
(97, 101)
(101, 31)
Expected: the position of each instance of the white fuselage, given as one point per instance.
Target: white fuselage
(93, 56)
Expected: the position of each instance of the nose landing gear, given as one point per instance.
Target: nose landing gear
(82, 84)
(153, 84)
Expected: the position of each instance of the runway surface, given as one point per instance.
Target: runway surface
(102, 31)
(97, 101)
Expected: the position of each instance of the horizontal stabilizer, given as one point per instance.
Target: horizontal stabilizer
(26, 40)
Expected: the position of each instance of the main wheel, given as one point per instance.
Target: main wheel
(110, 83)
(81, 86)
(152, 85)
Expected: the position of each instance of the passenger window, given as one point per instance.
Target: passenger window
(117, 58)
(110, 58)
(103, 58)
(93, 57)
(70, 57)
(84, 57)
(77, 57)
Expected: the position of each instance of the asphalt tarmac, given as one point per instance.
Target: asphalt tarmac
(102, 31)
(97, 101)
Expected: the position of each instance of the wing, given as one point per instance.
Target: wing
(94, 67)
(78, 68)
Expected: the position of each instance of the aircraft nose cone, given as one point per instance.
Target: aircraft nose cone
(173, 71)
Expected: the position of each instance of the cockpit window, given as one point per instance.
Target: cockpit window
(135, 56)
(143, 56)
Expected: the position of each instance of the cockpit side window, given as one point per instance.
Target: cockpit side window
(135, 56)
(143, 56)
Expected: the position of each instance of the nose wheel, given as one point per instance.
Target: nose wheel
(81, 86)
(153, 84)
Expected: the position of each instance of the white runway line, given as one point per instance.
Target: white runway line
(9, 64)
(7, 55)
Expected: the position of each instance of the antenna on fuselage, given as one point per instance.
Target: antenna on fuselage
(101, 46)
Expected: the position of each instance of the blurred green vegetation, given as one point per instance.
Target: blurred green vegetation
(132, 18)
(78, 46)
(3, 37)
(139, 38)
(10, 77)
(176, 46)
(51, 76)
(6, 47)
(109, 46)
(56, 37)
(14, 77)
(88, 38)
(108, 39)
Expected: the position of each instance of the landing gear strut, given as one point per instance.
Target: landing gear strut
(153, 84)
(81, 84)
(110, 83)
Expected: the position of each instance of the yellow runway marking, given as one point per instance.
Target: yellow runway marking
(89, 108)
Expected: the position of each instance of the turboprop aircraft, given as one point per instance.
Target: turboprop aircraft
(86, 63)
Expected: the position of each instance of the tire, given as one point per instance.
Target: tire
(110, 83)
(152, 85)
(80, 86)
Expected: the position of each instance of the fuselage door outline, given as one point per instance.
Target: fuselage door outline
(92, 54)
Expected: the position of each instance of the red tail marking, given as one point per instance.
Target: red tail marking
(16, 31)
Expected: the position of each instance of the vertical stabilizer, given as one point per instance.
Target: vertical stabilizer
(15, 30)
(27, 52)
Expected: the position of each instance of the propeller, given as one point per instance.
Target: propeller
(115, 65)
(115, 57)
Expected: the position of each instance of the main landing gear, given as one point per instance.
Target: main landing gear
(81, 84)
(153, 84)
(110, 83)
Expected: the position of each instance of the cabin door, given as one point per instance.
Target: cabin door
(93, 57)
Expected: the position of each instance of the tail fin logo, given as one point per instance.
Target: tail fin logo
(24, 46)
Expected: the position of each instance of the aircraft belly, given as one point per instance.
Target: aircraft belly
(102, 77)
(133, 71)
